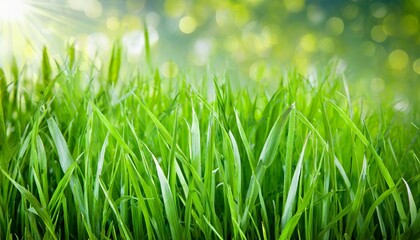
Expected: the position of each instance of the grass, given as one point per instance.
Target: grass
(122, 153)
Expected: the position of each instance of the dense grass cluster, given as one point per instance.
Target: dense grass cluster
(124, 153)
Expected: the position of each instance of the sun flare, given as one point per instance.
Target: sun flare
(12, 10)
(27, 25)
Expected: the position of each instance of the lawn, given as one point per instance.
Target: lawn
(122, 152)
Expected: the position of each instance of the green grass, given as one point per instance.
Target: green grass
(123, 153)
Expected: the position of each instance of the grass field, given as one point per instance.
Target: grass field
(125, 153)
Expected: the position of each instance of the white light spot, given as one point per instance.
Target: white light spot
(402, 105)
(12, 10)
(134, 42)
(202, 50)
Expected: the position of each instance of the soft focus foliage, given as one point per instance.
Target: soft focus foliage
(377, 41)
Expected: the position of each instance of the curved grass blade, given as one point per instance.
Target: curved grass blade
(266, 158)
(169, 202)
(66, 160)
(195, 144)
(291, 195)
(411, 204)
(382, 168)
(46, 67)
(245, 142)
(372, 209)
(36, 206)
(115, 63)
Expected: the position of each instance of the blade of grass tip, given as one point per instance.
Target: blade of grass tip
(115, 63)
(273, 140)
(101, 160)
(151, 191)
(24, 144)
(47, 90)
(221, 103)
(268, 153)
(71, 52)
(382, 168)
(311, 127)
(247, 146)
(291, 195)
(111, 129)
(291, 224)
(36, 207)
(342, 173)
(157, 85)
(147, 45)
(289, 154)
(66, 160)
(162, 130)
(65, 157)
(238, 170)
(411, 204)
(169, 202)
(46, 66)
(16, 79)
(195, 143)
(15, 70)
(264, 233)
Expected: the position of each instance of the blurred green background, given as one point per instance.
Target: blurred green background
(374, 42)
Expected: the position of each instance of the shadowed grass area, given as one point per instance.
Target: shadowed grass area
(124, 153)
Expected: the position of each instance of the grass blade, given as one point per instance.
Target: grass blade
(291, 195)
(66, 160)
(35, 205)
(115, 63)
(411, 203)
(266, 158)
(382, 168)
(46, 67)
(195, 144)
(169, 202)
(113, 206)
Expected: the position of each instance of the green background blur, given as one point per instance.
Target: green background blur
(375, 43)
